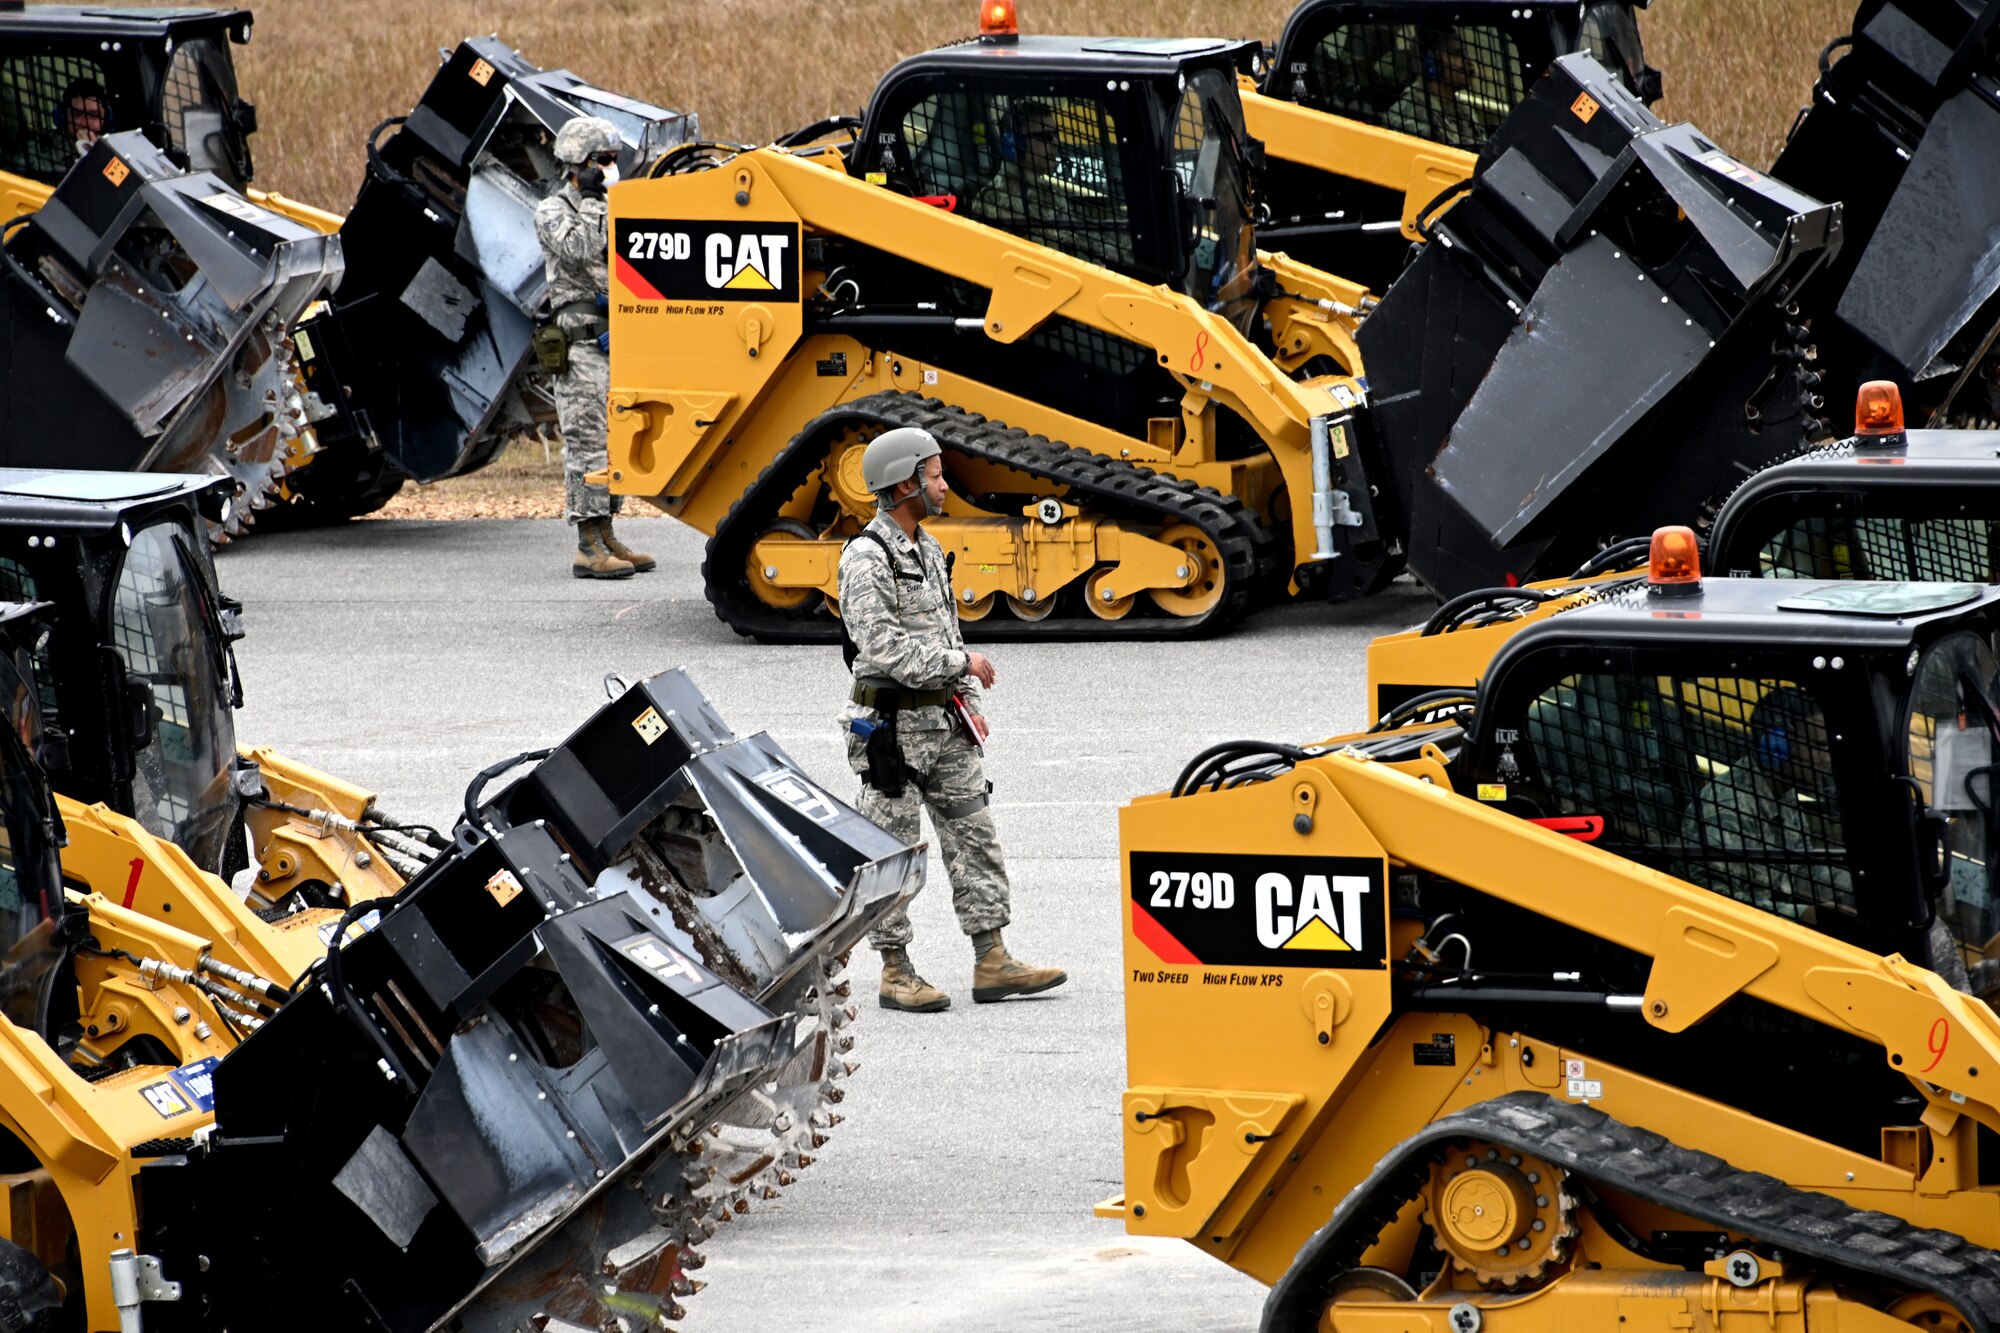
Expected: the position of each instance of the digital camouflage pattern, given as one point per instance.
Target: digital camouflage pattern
(906, 630)
(945, 773)
(905, 627)
(572, 232)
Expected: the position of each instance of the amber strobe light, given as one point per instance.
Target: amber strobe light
(1878, 413)
(997, 22)
(1673, 567)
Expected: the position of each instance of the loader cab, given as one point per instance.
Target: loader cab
(1128, 153)
(1823, 751)
(167, 72)
(1445, 71)
(137, 678)
(1925, 509)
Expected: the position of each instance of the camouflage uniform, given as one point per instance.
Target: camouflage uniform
(571, 229)
(1042, 209)
(907, 631)
(1741, 810)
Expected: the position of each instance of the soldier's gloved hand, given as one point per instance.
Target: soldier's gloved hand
(604, 342)
(590, 181)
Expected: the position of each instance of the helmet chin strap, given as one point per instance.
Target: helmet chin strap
(922, 494)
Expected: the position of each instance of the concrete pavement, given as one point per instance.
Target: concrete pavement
(406, 656)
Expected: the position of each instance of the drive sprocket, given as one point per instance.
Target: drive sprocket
(1502, 1217)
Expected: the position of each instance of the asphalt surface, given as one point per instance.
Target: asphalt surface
(957, 1195)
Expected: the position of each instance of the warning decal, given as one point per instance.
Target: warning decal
(730, 261)
(1287, 911)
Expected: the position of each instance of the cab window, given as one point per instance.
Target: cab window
(1939, 550)
(37, 137)
(1951, 756)
(1044, 167)
(1450, 83)
(1726, 782)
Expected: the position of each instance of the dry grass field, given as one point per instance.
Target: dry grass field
(324, 73)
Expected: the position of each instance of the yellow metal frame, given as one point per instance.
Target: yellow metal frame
(704, 396)
(1288, 1054)
(1417, 168)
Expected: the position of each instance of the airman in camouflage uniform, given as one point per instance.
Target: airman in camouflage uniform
(1027, 197)
(896, 605)
(571, 226)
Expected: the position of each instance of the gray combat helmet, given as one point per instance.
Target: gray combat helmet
(895, 456)
(583, 137)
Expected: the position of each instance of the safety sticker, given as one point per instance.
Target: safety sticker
(166, 1099)
(704, 262)
(799, 794)
(650, 725)
(1730, 167)
(481, 73)
(832, 367)
(1584, 107)
(1573, 1069)
(116, 171)
(930, 376)
(198, 1082)
(503, 887)
(1586, 1089)
(1284, 911)
(1492, 791)
(657, 958)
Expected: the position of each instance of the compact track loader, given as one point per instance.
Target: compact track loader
(1608, 280)
(418, 366)
(657, 916)
(1649, 993)
(1040, 249)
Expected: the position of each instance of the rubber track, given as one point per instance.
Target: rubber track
(1108, 487)
(1604, 1151)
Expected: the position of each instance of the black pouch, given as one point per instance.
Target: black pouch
(885, 772)
(551, 346)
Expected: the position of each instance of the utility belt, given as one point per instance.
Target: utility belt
(552, 341)
(887, 697)
(887, 771)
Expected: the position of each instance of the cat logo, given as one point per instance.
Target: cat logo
(673, 260)
(1314, 924)
(746, 262)
(166, 1099)
(1284, 911)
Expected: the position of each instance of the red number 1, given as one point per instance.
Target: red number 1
(132, 884)
(1939, 1039)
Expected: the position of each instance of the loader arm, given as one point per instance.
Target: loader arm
(700, 393)
(1417, 168)
(1705, 948)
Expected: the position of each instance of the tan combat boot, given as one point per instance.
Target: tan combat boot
(593, 559)
(639, 560)
(903, 989)
(995, 975)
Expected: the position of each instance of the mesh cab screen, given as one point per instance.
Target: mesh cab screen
(34, 137)
(1943, 550)
(1450, 83)
(1047, 169)
(1725, 782)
